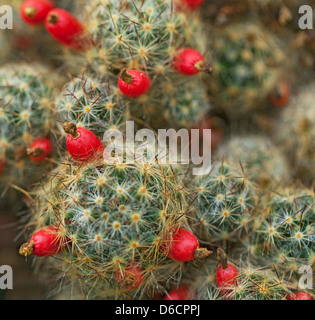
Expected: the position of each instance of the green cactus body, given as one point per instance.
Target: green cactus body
(141, 34)
(92, 104)
(145, 36)
(26, 113)
(262, 161)
(252, 283)
(247, 67)
(296, 134)
(173, 104)
(225, 203)
(114, 215)
(255, 283)
(287, 227)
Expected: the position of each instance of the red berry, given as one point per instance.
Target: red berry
(182, 293)
(281, 95)
(226, 279)
(189, 62)
(130, 278)
(299, 296)
(134, 83)
(65, 28)
(185, 247)
(39, 150)
(82, 143)
(217, 133)
(189, 4)
(35, 11)
(2, 165)
(43, 243)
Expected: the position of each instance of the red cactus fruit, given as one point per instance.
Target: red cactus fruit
(189, 5)
(130, 278)
(226, 275)
(281, 95)
(189, 62)
(39, 150)
(35, 11)
(2, 165)
(82, 143)
(134, 83)
(184, 246)
(299, 296)
(45, 242)
(181, 293)
(66, 29)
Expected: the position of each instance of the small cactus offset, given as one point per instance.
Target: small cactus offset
(91, 103)
(262, 160)
(225, 203)
(248, 62)
(26, 123)
(288, 224)
(295, 134)
(141, 34)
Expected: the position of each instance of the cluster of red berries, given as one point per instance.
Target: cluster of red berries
(69, 31)
(187, 61)
(183, 247)
(59, 23)
(82, 143)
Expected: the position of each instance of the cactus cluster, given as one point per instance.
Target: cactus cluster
(249, 62)
(112, 222)
(114, 216)
(261, 159)
(26, 114)
(147, 36)
(295, 133)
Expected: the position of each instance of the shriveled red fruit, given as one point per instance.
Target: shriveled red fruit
(45, 242)
(181, 293)
(189, 62)
(184, 246)
(65, 29)
(39, 150)
(130, 278)
(35, 11)
(190, 5)
(299, 296)
(82, 143)
(134, 83)
(281, 94)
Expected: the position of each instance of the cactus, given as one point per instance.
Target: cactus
(146, 36)
(225, 203)
(26, 114)
(295, 134)
(265, 164)
(115, 224)
(172, 104)
(248, 64)
(91, 103)
(114, 215)
(288, 224)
